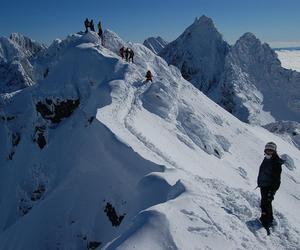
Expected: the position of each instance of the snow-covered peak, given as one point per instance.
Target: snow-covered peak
(248, 36)
(28, 46)
(199, 52)
(16, 55)
(255, 87)
(18, 46)
(247, 79)
(203, 21)
(155, 44)
(251, 51)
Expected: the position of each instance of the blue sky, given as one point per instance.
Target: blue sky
(272, 21)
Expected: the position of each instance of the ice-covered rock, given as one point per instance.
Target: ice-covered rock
(287, 129)
(246, 79)
(16, 55)
(255, 87)
(199, 52)
(155, 44)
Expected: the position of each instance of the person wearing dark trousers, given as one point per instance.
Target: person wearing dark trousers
(92, 27)
(86, 25)
(122, 52)
(131, 55)
(126, 54)
(100, 31)
(269, 182)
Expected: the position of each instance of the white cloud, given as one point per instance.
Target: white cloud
(283, 44)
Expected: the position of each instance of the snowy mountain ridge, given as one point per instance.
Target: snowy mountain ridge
(246, 79)
(93, 157)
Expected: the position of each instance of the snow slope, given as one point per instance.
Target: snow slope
(290, 59)
(246, 79)
(155, 44)
(94, 157)
(16, 55)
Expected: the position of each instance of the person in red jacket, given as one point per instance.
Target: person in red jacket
(149, 76)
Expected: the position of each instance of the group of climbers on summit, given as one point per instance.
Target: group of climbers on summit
(90, 24)
(125, 53)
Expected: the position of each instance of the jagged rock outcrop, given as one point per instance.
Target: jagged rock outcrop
(155, 44)
(199, 52)
(16, 55)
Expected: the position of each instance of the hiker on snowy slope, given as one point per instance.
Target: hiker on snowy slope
(122, 52)
(131, 55)
(148, 76)
(269, 181)
(127, 54)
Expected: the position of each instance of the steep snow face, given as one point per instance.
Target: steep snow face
(155, 44)
(199, 53)
(255, 87)
(289, 58)
(16, 70)
(95, 157)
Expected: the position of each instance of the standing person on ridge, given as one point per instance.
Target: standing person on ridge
(269, 182)
(122, 52)
(92, 27)
(148, 76)
(86, 25)
(126, 54)
(100, 31)
(131, 55)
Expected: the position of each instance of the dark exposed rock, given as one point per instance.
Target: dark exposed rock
(93, 245)
(24, 207)
(15, 139)
(38, 193)
(46, 72)
(58, 110)
(7, 118)
(40, 137)
(112, 215)
(11, 154)
(91, 119)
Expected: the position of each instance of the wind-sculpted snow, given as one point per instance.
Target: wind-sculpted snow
(94, 157)
(160, 99)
